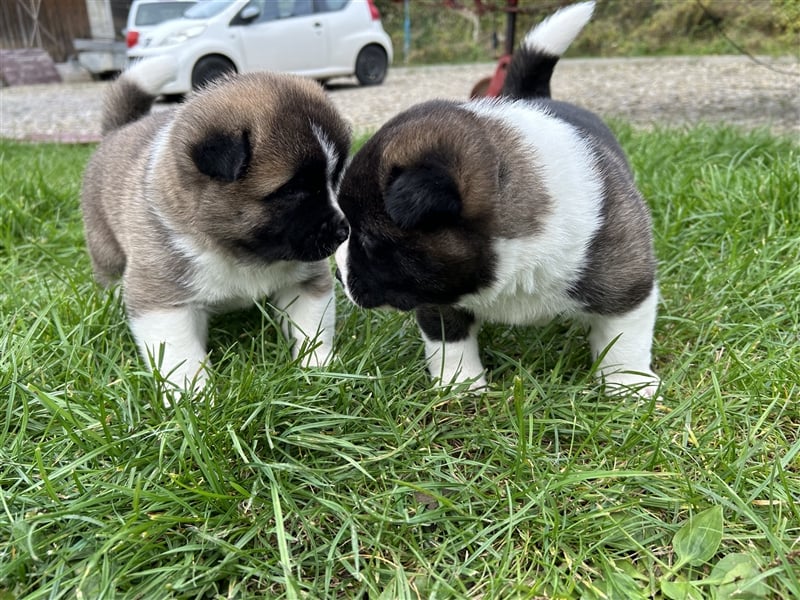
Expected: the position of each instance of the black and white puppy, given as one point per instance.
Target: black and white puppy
(215, 204)
(513, 210)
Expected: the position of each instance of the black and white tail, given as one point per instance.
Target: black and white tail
(130, 97)
(531, 66)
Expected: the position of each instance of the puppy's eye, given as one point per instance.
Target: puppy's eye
(368, 244)
(374, 247)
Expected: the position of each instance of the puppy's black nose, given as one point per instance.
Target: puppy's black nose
(338, 275)
(342, 232)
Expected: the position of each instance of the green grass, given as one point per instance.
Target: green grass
(362, 481)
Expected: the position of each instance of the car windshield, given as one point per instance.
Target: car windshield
(207, 8)
(155, 13)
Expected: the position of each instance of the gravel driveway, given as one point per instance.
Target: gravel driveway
(644, 91)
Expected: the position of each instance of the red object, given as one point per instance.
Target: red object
(373, 10)
(499, 77)
(132, 38)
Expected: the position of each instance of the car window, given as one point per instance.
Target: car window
(329, 5)
(155, 13)
(207, 8)
(294, 8)
(280, 9)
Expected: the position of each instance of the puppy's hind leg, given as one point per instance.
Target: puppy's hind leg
(625, 342)
(108, 259)
(451, 345)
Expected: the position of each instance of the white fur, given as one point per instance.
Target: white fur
(533, 272)
(225, 283)
(328, 148)
(455, 362)
(554, 35)
(627, 339)
(151, 73)
(220, 283)
(309, 321)
(528, 289)
(174, 341)
(341, 255)
(218, 280)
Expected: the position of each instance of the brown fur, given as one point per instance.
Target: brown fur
(484, 158)
(123, 184)
(214, 204)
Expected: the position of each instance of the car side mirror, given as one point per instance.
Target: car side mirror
(249, 13)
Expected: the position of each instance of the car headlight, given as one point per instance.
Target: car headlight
(182, 35)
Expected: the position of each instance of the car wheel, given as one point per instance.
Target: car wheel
(174, 98)
(210, 68)
(371, 65)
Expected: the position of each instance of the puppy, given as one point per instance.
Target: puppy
(224, 200)
(514, 210)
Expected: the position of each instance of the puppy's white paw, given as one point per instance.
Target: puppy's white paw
(644, 385)
(478, 385)
(455, 363)
(317, 358)
(184, 381)
(473, 384)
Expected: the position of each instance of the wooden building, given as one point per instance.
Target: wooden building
(53, 24)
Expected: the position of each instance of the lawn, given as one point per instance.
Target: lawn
(362, 481)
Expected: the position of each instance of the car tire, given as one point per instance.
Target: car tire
(210, 68)
(174, 98)
(371, 65)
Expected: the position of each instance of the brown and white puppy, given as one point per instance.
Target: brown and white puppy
(514, 210)
(212, 205)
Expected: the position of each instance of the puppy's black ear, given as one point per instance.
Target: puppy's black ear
(422, 196)
(223, 156)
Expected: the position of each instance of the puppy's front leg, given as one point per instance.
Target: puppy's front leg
(627, 341)
(451, 345)
(174, 341)
(309, 319)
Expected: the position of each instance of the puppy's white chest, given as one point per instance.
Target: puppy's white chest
(219, 281)
(225, 284)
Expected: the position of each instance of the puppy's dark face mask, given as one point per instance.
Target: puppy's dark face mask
(410, 244)
(300, 222)
(297, 220)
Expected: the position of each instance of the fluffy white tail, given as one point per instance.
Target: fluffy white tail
(554, 35)
(150, 74)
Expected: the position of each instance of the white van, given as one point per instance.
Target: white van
(316, 38)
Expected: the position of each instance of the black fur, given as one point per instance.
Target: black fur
(223, 156)
(445, 322)
(422, 196)
(317, 228)
(528, 75)
(406, 268)
(133, 103)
